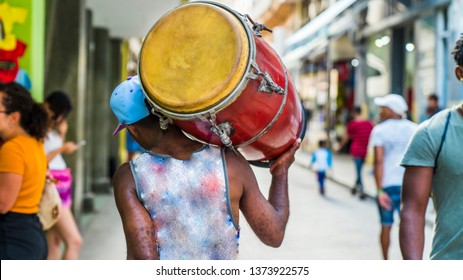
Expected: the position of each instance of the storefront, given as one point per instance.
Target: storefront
(408, 53)
(322, 53)
(398, 47)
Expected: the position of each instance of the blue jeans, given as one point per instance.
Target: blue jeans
(321, 180)
(387, 216)
(358, 168)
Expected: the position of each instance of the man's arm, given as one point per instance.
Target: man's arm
(267, 218)
(138, 226)
(344, 140)
(416, 190)
(383, 199)
(378, 161)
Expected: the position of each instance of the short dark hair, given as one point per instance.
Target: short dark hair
(59, 103)
(458, 52)
(358, 110)
(433, 97)
(322, 143)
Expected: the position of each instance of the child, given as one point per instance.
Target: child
(322, 161)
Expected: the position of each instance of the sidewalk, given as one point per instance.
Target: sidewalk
(343, 174)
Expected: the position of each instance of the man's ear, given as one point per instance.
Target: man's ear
(459, 73)
(133, 130)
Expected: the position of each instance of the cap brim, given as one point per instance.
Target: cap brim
(120, 127)
(380, 101)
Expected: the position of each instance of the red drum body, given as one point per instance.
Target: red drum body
(260, 114)
(263, 125)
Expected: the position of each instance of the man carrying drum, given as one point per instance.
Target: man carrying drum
(181, 199)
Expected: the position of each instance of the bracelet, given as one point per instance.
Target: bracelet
(380, 191)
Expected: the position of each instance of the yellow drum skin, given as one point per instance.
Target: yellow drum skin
(187, 64)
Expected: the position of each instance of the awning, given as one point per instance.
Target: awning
(314, 34)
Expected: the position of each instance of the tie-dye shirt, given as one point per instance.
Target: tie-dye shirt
(189, 203)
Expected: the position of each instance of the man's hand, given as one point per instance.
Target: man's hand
(385, 201)
(286, 159)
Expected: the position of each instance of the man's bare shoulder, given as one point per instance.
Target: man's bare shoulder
(123, 177)
(122, 171)
(240, 173)
(236, 163)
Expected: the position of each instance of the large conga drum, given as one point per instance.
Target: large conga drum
(206, 67)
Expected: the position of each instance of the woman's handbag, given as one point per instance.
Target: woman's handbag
(50, 204)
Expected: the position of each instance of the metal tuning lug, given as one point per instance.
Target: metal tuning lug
(223, 130)
(266, 84)
(257, 27)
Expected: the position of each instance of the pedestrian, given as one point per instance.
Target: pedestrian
(433, 166)
(23, 166)
(433, 105)
(180, 199)
(322, 162)
(358, 133)
(65, 231)
(389, 139)
(432, 108)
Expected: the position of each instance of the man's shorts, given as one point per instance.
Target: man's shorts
(387, 216)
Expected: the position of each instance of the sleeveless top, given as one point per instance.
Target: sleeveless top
(189, 203)
(53, 141)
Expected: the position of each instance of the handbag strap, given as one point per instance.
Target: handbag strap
(442, 140)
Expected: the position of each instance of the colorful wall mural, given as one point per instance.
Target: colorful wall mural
(22, 43)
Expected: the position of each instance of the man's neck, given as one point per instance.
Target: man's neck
(460, 109)
(175, 144)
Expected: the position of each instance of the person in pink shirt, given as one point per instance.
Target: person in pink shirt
(358, 131)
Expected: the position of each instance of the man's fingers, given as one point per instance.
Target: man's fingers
(288, 156)
(297, 144)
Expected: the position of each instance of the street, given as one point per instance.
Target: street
(335, 227)
(362, 83)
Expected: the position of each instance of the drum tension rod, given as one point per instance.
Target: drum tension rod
(258, 27)
(267, 84)
(222, 130)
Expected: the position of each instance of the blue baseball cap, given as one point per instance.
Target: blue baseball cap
(128, 103)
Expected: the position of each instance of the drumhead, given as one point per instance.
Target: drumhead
(193, 58)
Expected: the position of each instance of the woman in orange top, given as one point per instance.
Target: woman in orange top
(23, 165)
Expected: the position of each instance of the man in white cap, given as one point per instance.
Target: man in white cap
(389, 139)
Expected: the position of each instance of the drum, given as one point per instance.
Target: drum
(206, 67)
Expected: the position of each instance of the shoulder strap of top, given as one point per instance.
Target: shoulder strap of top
(443, 139)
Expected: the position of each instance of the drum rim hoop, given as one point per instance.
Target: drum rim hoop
(233, 95)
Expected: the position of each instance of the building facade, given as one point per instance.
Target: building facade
(346, 53)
